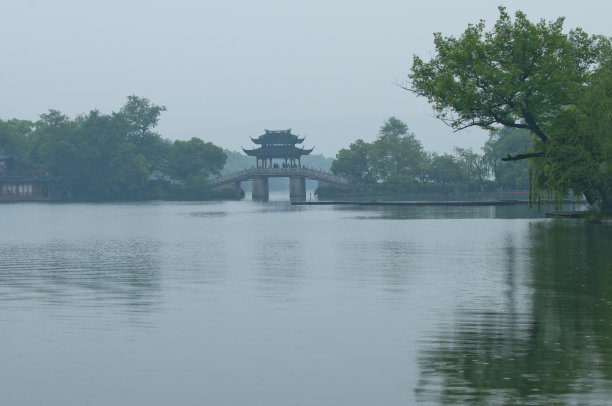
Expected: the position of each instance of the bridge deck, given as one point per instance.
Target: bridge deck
(248, 174)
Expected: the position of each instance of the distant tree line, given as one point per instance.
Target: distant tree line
(115, 156)
(396, 162)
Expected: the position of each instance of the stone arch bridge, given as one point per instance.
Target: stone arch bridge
(297, 180)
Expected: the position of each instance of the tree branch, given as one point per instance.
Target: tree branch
(523, 156)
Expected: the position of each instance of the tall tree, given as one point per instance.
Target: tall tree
(354, 163)
(54, 147)
(14, 136)
(445, 169)
(193, 157)
(519, 74)
(580, 153)
(395, 160)
(393, 127)
(142, 117)
(397, 154)
(473, 165)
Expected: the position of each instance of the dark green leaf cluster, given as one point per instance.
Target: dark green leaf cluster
(579, 153)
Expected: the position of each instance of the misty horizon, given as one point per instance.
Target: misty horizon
(329, 71)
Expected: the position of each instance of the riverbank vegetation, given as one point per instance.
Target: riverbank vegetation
(396, 164)
(115, 156)
(533, 77)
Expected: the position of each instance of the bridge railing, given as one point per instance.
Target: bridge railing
(247, 174)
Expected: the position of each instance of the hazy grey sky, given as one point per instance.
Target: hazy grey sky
(227, 70)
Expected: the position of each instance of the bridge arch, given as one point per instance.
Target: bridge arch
(297, 180)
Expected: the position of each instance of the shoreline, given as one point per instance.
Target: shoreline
(411, 203)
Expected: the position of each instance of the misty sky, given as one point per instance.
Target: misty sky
(227, 70)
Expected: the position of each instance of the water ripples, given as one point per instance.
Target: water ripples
(229, 301)
(106, 272)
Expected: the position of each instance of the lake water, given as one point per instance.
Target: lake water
(245, 303)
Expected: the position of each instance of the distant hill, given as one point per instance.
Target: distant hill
(236, 161)
(318, 161)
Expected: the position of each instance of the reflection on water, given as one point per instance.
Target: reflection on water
(279, 265)
(268, 303)
(122, 273)
(207, 214)
(554, 349)
(522, 210)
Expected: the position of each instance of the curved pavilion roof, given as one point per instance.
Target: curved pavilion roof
(284, 151)
(278, 137)
(278, 144)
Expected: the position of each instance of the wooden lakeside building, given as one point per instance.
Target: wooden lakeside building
(23, 185)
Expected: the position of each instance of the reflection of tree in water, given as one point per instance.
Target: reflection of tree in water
(109, 273)
(559, 352)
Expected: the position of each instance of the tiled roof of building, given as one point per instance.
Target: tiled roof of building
(278, 137)
(268, 151)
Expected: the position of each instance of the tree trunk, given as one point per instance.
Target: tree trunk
(598, 200)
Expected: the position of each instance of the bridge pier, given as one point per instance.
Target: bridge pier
(297, 188)
(297, 181)
(260, 189)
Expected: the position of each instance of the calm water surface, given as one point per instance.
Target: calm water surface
(244, 303)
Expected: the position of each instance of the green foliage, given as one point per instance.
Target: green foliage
(195, 157)
(393, 128)
(396, 162)
(91, 155)
(141, 116)
(518, 75)
(14, 136)
(579, 154)
(502, 143)
(528, 76)
(54, 147)
(397, 156)
(445, 170)
(394, 159)
(473, 166)
(354, 163)
(113, 156)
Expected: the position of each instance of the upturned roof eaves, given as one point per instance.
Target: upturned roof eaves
(277, 152)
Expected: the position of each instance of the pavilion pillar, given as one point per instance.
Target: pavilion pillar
(297, 188)
(260, 190)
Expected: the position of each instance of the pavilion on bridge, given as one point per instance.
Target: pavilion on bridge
(278, 145)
